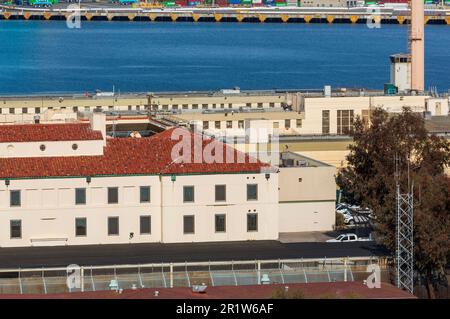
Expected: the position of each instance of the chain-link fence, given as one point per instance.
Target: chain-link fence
(166, 275)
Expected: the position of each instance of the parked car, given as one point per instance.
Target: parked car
(346, 238)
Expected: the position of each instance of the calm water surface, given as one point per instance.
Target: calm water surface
(45, 56)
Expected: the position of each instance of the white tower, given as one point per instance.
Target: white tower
(400, 71)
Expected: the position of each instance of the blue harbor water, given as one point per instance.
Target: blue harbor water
(46, 56)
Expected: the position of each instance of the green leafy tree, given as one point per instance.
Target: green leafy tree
(400, 144)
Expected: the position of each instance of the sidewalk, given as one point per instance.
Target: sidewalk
(306, 237)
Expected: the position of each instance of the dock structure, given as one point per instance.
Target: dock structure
(240, 15)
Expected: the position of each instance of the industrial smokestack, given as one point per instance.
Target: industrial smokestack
(416, 39)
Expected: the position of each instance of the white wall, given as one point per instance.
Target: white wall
(205, 207)
(48, 209)
(307, 216)
(52, 148)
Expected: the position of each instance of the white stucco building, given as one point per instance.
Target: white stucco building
(65, 184)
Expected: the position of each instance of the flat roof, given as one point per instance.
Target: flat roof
(319, 290)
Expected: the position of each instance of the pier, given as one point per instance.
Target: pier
(249, 15)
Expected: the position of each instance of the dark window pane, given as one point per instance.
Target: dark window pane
(113, 195)
(220, 223)
(252, 222)
(221, 193)
(145, 194)
(188, 194)
(15, 198)
(145, 224)
(113, 225)
(80, 196)
(16, 228)
(252, 191)
(188, 224)
(80, 227)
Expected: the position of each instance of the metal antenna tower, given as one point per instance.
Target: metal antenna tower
(405, 239)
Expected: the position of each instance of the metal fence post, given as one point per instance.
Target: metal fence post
(82, 279)
(259, 271)
(171, 275)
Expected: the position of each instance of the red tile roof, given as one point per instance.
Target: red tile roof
(126, 156)
(48, 132)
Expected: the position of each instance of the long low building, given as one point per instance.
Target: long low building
(68, 184)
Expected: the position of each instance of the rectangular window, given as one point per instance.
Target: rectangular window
(37, 110)
(248, 104)
(217, 125)
(252, 191)
(366, 117)
(252, 222)
(80, 196)
(271, 104)
(113, 226)
(75, 109)
(229, 124)
(326, 122)
(80, 227)
(205, 125)
(144, 194)
(344, 121)
(230, 105)
(185, 106)
(188, 224)
(113, 195)
(214, 105)
(260, 105)
(175, 107)
(240, 124)
(129, 107)
(146, 225)
(24, 110)
(14, 198)
(298, 123)
(221, 193)
(188, 194)
(16, 228)
(12, 110)
(204, 106)
(220, 223)
(194, 106)
(165, 107)
(287, 124)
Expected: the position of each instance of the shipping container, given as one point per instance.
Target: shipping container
(234, 2)
(221, 3)
(247, 2)
(194, 3)
(181, 3)
(168, 3)
(269, 2)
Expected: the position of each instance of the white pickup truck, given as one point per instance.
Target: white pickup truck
(346, 238)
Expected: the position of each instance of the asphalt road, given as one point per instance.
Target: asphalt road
(193, 252)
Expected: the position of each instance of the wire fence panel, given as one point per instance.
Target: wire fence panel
(246, 277)
(180, 279)
(317, 276)
(294, 276)
(223, 278)
(9, 286)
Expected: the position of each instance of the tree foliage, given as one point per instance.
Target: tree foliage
(370, 179)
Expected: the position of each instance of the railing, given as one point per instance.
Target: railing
(168, 275)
